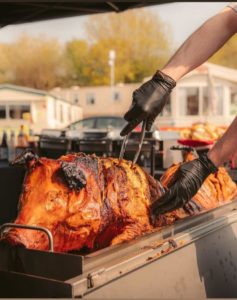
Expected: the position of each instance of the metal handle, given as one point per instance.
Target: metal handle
(45, 230)
(185, 148)
(123, 147)
(140, 142)
(125, 141)
(182, 148)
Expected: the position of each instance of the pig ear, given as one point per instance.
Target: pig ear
(73, 175)
(27, 158)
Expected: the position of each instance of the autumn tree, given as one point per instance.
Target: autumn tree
(141, 40)
(226, 56)
(34, 62)
(4, 63)
(77, 59)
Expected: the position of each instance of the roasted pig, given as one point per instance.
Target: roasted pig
(92, 202)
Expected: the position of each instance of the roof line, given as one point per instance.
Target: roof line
(22, 88)
(31, 90)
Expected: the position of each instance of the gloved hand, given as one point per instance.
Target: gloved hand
(187, 181)
(148, 101)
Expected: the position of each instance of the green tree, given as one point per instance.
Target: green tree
(141, 40)
(226, 56)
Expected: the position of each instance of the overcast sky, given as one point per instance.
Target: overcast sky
(183, 17)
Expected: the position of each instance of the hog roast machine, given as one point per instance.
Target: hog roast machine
(194, 257)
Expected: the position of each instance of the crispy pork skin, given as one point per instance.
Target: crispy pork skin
(91, 202)
(216, 190)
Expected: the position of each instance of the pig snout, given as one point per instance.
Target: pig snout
(27, 238)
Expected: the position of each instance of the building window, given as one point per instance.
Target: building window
(55, 109)
(189, 101)
(206, 102)
(116, 96)
(19, 111)
(69, 114)
(233, 102)
(90, 99)
(213, 101)
(61, 113)
(75, 99)
(3, 113)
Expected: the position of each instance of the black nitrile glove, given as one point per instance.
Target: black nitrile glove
(187, 181)
(148, 101)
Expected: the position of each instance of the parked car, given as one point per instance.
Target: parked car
(101, 127)
(99, 134)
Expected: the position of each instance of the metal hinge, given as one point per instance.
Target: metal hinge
(92, 277)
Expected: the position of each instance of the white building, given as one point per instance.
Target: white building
(99, 100)
(209, 93)
(34, 108)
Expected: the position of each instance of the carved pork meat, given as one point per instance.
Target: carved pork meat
(216, 190)
(91, 202)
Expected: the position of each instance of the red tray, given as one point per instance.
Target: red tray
(195, 143)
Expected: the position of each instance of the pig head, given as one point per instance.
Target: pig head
(63, 196)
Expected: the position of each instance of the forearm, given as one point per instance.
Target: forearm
(225, 147)
(202, 44)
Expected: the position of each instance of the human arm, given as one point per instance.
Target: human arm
(225, 147)
(149, 100)
(202, 44)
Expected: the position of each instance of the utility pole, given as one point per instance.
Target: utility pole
(112, 56)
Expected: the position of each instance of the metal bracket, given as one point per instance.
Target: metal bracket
(91, 277)
(23, 226)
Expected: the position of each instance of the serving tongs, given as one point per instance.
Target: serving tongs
(125, 141)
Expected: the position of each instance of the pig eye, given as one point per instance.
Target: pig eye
(55, 200)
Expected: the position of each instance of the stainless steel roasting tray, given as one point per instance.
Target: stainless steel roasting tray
(154, 265)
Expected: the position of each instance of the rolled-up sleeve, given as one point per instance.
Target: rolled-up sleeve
(233, 5)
